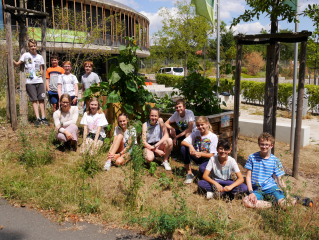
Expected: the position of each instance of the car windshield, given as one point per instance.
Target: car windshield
(179, 70)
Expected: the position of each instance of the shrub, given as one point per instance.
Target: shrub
(254, 62)
(168, 80)
(244, 70)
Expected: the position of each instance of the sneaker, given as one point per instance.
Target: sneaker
(107, 166)
(45, 121)
(209, 195)
(167, 166)
(37, 122)
(189, 178)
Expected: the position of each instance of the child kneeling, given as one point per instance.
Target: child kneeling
(217, 176)
(261, 167)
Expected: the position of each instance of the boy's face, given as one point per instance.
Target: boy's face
(222, 152)
(54, 62)
(88, 68)
(33, 48)
(180, 108)
(67, 68)
(265, 146)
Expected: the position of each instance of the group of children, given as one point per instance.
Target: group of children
(198, 143)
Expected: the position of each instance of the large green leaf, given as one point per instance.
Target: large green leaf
(113, 97)
(87, 92)
(131, 86)
(104, 85)
(115, 78)
(126, 68)
(112, 69)
(122, 48)
(129, 108)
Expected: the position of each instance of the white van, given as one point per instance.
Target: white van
(178, 71)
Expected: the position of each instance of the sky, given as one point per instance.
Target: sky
(229, 10)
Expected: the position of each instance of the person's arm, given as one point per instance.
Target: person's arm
(48, 84)
(60, 90)
(144, 136)
(207, 178)
(42, 70)
(85, 133)
(18, 63)
(76, 88)
(188, 130)
(190, 146)
(169, 127)
(204, 155)
(240, 180)
(165, 133)
(97, 135)
(252, 196)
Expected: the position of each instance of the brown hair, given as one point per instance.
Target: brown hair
(179, 101)
(224, 143)
(89, 63)
(155, 109)
(33, 41)
(205, 120)
(266, 137)
(123, 114)
(66, 63)
(99, 110)
(65, 95)
(54, 55)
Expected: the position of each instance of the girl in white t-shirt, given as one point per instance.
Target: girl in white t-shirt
(94, 122)
(217, 175)
(124, 135)
(199, 147)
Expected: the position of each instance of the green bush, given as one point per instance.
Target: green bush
(168, 80)
(244, 70)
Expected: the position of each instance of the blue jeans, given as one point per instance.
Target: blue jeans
(274, 193)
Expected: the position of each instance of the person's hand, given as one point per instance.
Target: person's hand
(219, 187)
(252, 197)
(82, 104)
(57, 128)
(192, 151)
(68, 135)
(174, 141)
(152, 148)
(173, 133)
(198, 154)
(159, 152)
(74, 100)
(227, 188)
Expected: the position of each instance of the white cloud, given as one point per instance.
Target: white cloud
(130, 3)
(230, 6)
(250, 28)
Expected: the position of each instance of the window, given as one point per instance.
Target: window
(178, 70)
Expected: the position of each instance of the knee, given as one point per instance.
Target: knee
(119, 161)
(168, 142)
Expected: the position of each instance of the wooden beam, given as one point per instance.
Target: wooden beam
(15, 5)
(67, 14)
(82, 12)
(86, 26)
(301, 88)
(53, 14)
(11, 85)
(21, 9)
(121, 24)
(111, 16)
(134, 25)
(125, 29)
(44, 50)
(116, 26)
(275, 35)
(103, 22)
(74, 15)
(26, 7)
(44, 10)
(139, 31)
(91, 16)
(62, 14)
(237, 101)
(97, 16)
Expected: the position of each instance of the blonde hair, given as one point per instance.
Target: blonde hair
(99, 110)
(266, 137)
(205, 120)
(66, 63)
(33, 41)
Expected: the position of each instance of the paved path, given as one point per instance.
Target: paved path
(23, 224)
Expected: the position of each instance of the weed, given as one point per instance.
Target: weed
(164, 182)
(89, 166)
(153, 168)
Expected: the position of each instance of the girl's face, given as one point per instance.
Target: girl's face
(202, 126)
(154, 117)
(123, 121)
(65, 104)
(94, 106)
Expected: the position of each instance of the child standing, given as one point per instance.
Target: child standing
(67, 83)
(261, 167)
(217, 175)
(200, 146)
(88, 79)
(52, 76)
(33, 64)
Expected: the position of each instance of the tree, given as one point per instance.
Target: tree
(183, 31)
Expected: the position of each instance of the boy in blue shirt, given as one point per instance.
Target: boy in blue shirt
(262, 166)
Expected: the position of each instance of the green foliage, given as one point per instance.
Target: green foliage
(168, 80)
(244, 70)
(165, 104)
(89, 166)
(164, 182)
(153, 168)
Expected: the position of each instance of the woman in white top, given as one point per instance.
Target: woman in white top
(124, 136)
(65, 122)
(156, 140)
(94, 122)
(200, 146)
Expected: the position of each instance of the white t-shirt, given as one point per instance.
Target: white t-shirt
(95, 121)
(68, 82)
(32, 65)
(219, 172)
(182, 122)
(131, 132)
(204, 144)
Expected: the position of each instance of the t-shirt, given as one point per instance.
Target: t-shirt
(263, 170)
(67, 118)
(220, 172)
(95, 121)
(68, 82)
(32, 65)
(131, 132)
(182, 122)
(88, 80)
(204, 144)
(53, 74)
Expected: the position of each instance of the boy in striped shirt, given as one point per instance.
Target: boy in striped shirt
(262, 166)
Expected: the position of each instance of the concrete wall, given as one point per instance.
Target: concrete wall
(253, 128)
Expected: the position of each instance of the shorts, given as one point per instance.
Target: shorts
(53, 97)
(35, 92)
(273, 193)
(152, 144)
(92, 136)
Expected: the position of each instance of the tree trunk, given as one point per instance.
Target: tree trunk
(185, 67)
(315, 74)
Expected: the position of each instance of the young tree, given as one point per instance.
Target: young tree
(183, 31)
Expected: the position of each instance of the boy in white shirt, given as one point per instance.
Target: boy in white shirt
(67, 83)
(33, 64)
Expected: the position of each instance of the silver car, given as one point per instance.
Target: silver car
(178, 71)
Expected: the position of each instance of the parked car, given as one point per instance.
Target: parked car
(178, 71)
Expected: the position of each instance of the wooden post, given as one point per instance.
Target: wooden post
(74, 15)
(301, 88)
(62, 13)
(237, 101)
(139, 31)
(8, 112)
(125, 26)
(44, 51)
(111, 13)
(85, 17)
(91, 16)
(67, 14)
(121, 24)
(269, 89)
(23, 92)
(134, 28)
(116, 26)
(26, 7)
(11, 87)
(276, 78)
(97, 16)
(82, 11)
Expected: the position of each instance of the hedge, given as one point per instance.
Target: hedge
(252, 91)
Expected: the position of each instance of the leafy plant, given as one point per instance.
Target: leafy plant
(165, 104)
(164, 182)
(153, 168)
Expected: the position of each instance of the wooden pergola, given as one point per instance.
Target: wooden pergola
(271, 88)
